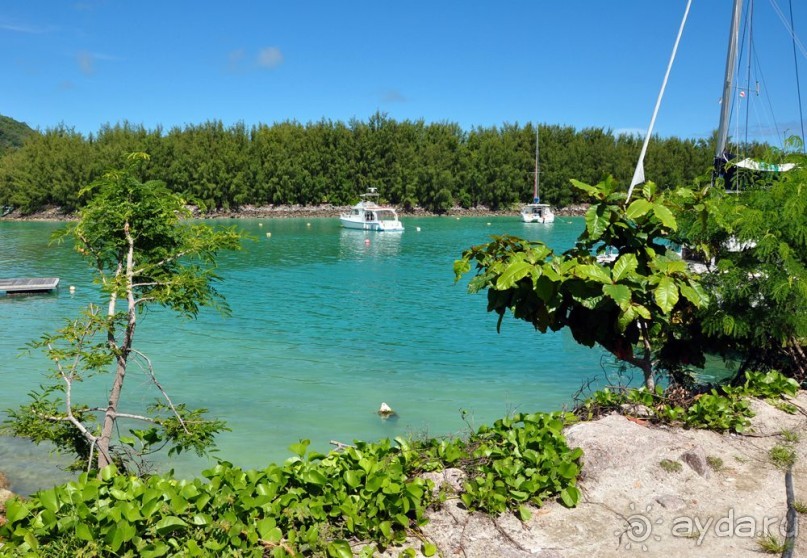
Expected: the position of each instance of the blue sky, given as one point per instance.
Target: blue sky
(477, 63)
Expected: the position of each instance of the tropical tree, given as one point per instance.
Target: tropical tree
(144, 255)
(756, 244)
(635, 306)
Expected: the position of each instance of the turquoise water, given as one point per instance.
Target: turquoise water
(326, 324)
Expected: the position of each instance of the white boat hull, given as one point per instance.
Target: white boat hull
(381, 226)
(537, 213)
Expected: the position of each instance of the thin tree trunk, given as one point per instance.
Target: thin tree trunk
(110, 416)
(646, 364)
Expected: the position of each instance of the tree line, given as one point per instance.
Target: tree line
(413, 163)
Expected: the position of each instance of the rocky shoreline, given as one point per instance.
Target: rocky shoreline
(647, 490)
(300, 211)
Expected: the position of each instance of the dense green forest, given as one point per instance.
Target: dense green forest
(415, 164)
(12, 133)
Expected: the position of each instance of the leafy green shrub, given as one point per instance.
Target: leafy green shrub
(723, 409)
(313, 504)
(714, 411)
(771, 384)
(521, 460)
(310, 504)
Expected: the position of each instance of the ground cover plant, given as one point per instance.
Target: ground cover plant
(723, 408)
(311, 505)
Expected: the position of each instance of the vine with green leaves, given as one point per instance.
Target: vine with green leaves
(362, 499)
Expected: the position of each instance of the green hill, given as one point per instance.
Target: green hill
(12, 133)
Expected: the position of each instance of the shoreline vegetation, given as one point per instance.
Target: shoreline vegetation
(622, 466)
(300, 211)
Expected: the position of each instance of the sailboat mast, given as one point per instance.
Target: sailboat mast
(725, 104)
(535, 197)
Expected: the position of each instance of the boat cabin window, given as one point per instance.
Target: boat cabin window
(386, 216)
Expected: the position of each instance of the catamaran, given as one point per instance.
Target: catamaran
(537, 212)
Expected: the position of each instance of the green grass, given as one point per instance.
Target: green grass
(782, 456)
(671, 466)
(772, 545)
(790, 436)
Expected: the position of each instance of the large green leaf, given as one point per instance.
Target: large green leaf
(624, 266)
(49, 500)
(16, 510)
(593, 191)
(353, 478)
(340, 549)
(513, 273)
(570, 496)
(626, 318)
(618, 293)
(313, 476)
(594, 273)
(83, 532)
(169, 523)
(695, 294)
(665, 216)
(666, 294)
(596, 222)
(638, 207)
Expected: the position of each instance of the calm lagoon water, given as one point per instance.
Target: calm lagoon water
(326, 324)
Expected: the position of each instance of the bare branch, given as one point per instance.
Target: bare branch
(135, 417)
(149, 369)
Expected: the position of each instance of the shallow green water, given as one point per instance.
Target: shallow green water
(326, 324)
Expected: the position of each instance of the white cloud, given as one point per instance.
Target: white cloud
(86, 62)
(24, 29)
(393, 96)
(270, 57)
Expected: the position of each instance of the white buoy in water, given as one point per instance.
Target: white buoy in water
(308, 224)
(268, 234)
(488, 224)
(418, 229)
(72, 289)
(385, 411)
(260, 224)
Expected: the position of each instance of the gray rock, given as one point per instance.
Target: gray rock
(635, 410)
(5, 495)
(696, 459)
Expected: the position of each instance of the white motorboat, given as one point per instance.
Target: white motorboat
(537, 212)
(367, 215)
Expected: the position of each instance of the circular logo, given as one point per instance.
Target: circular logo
(639, 528)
